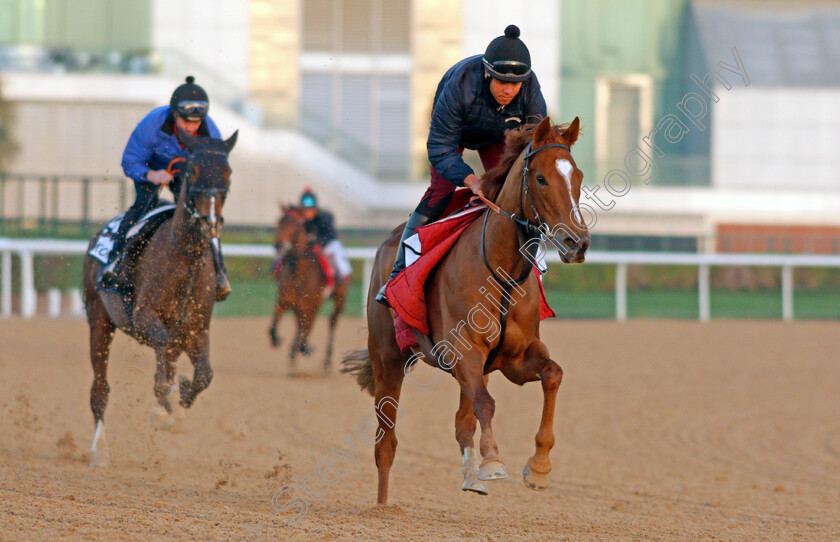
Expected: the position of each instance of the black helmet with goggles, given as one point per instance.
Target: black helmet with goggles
(189, 101)
(507, 58)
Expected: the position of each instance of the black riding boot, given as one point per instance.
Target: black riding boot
(111, 271)
(414, 221)
(146, 200)
(222, 282)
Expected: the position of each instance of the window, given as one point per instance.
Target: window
(356, 80)
(623, 115)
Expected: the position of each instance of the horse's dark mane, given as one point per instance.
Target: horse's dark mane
(515, 141)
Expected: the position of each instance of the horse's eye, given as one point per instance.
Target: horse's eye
(541, 179)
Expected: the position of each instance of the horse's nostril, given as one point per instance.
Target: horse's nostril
(584, 246)
(571, 243)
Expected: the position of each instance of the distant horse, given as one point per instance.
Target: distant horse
(302, 286)
(536, 189)
(173, 291)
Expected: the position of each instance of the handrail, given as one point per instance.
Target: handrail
(27, 249)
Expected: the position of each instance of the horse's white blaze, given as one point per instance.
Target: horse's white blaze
(564, 168)
(213, 211)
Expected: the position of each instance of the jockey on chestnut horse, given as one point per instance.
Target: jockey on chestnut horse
(311, 267)
(531, 192)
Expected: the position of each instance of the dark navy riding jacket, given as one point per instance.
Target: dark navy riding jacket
(321, 226)
(153, 143)
(466, 115)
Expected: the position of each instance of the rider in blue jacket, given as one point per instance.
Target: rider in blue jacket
(150, 150)
(476, 101)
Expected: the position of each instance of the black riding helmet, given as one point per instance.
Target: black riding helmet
(506, 58)
(189, 101)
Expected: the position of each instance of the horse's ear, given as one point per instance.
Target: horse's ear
(571, 133)
(230, 143)
(188, 140)
(543, 134)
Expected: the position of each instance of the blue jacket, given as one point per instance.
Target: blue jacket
(466, 115)
(153, 143)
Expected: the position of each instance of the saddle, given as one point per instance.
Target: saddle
(136, 239)
(430, 243)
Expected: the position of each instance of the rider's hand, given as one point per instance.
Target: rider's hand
(474, 183)
(160, 176)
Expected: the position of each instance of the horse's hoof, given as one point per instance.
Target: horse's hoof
(492, 470)
(179, 413)
(475, 485)
(161, 419)
(534, 480)
(305, 350)
(99, 461)
(99, 457)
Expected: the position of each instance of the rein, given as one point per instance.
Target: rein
(541, 228)
(525, 231)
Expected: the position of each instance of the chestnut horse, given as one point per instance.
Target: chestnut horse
(535, 190)
(301, 286)
(173, 291)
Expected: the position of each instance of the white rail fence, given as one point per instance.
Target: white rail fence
(27, 249)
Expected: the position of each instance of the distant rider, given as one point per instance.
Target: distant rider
(319, 226)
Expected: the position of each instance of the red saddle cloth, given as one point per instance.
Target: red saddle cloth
(406, 293)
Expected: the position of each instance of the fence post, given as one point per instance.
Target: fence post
(77, 304)
(124, 195)
(53, 302)
(367, 271)
(703, 292)
(7, 284)
(621, 292)
(55, 204)
(28, 296)
(21, 201)
(85, 204)
(787, 293)
(3, 203)
(42, 202)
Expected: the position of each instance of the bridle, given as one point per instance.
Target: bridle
(525, 229)
(193, 190)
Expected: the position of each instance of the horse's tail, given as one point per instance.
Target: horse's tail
(357, 363)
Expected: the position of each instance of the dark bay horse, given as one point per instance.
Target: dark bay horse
(302, 286)
(536, 189)
(173, 292)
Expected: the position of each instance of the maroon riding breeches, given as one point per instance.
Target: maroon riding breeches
(439, 193)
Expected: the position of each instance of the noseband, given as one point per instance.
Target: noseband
(525, 229)
(541, 227)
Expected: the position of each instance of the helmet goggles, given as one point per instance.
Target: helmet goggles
(509, 71)
(192, 109)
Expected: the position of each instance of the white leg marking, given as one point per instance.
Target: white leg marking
(99, 457)
(471, 462)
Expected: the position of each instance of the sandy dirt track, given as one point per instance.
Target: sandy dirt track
(665, 431)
